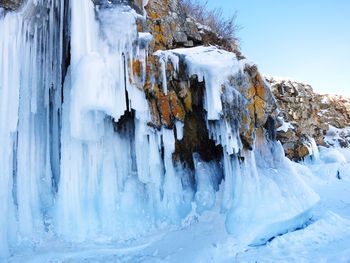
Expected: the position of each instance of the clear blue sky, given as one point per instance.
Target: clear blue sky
(307, 40)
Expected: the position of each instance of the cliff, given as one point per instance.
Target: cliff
(306, 116)
(182, 99)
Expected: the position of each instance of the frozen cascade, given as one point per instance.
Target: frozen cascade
(91, 168)
(30, 94)
(315, 154)
(115, 176)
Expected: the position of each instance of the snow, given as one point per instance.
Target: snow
(286, 79)
(203, 238)
(210, 64)
(334, 135)
(285, 125)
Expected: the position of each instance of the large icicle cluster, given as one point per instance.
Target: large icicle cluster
(30, 99)
(112, 175)
(262, 193)
(99, 170)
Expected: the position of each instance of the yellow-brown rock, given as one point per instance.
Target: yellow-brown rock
(165, 110)
(303, 151)
(309, 115)
(177, 109)
(136, 68)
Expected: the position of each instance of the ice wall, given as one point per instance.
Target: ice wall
(263, 195)
(114, 181)
(80, 160)
(30, 94)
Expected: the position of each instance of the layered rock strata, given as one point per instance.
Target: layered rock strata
(305, 116)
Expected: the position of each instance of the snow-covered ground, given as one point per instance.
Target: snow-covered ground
(325, 238)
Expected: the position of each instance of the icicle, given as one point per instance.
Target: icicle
(105, 134)
(314, 151)
(164, 59)
(179, 130)
(211, 65)
(173, 199)
(268, 190)
(28, 81)
(9, 99)
(207, 184)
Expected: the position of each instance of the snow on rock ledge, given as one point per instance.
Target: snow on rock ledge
(209, 64)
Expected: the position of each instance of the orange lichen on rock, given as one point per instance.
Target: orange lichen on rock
(248, 126)
(153, 14)
(156, 121)
(165, 110)
(260, 106)
(176, 106)
(250, 92)
(160, 40)
(259, 85)
(136, 68)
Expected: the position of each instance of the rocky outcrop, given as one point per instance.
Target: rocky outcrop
(11, 4)
(183, 101)
(248, 105)
(305, 115)
(170, 25)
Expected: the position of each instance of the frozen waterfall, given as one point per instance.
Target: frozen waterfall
(78, 159)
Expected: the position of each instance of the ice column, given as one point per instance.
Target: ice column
(30, 89)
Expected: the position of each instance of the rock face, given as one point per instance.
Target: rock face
(11, 4)
(309, 115)
(170, 25)
(183, 101)
(305, 115)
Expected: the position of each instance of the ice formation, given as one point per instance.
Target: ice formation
(79, 160)
(30, 94)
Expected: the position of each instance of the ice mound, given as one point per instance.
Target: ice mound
(269, 196)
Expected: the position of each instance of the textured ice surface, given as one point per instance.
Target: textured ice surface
(266, 197)
(30, 95)
(203, 238)
(91, 171)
